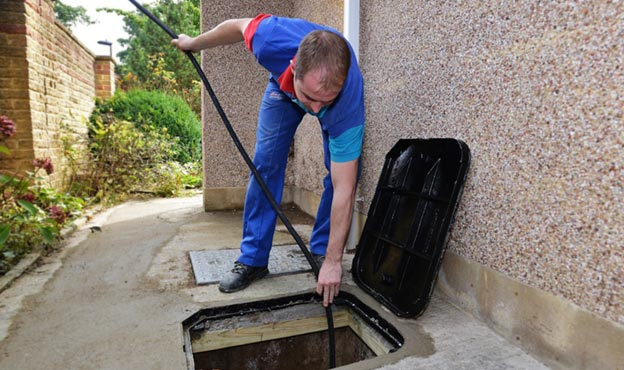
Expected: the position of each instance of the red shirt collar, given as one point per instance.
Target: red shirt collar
(286, 80)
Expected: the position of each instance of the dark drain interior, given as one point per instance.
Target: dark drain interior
(300, 352)
(285, 333)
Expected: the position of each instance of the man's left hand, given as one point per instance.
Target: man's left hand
(329, 281)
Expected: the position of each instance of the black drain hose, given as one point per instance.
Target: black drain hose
(265, 189)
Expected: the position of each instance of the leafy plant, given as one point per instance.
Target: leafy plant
(156, 109)
(69, 15)
(159, 78)
(126, 160)
(23, 215)
(31, 211)
(192, 177)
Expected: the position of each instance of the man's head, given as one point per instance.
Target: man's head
(323, 61)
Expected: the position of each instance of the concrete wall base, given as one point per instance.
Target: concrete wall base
(309, 202)
(220, 199)
(554, 330)
(306, 200)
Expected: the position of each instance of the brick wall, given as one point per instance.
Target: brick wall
(47, 84)
(14, 97)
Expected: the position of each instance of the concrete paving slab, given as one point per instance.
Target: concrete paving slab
(210, 266)
(463, 343)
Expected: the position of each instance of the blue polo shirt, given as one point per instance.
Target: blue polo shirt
(274, 41)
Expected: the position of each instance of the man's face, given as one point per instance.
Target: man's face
(311, 94)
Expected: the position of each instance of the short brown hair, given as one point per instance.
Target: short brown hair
(325, 50)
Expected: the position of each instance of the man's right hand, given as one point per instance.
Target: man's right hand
(183, 42)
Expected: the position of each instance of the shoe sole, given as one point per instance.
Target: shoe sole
(252, 278)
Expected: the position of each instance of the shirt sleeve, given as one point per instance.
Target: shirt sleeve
(251, 29)
(274, 41)
(348, 145)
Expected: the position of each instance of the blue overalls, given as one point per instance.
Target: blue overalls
(274, 42)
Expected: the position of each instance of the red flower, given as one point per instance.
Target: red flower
(29, 197)
(7, 127)
(57, 214)
(45, 163)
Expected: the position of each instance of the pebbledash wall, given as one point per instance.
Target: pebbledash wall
(48, 79)
(536, 90)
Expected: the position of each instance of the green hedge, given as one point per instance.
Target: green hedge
(159, 110)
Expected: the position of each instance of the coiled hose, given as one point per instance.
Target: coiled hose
(263, 186)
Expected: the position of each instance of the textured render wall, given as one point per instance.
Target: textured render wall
(55, 84)
(239, 83)
(535, 89)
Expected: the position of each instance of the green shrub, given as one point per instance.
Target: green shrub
(156, 109)
(126, 160)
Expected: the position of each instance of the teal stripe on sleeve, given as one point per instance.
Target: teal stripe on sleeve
(348, 145)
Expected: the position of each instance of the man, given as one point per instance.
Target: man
(312, 70)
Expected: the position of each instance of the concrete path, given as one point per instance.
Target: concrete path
(116, 298)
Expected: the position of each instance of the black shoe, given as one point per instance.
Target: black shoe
(319, 259)
(240, 277)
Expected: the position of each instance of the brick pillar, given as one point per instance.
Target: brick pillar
(104, 77)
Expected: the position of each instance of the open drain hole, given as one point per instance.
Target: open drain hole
(285, 333)
(303, 351)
